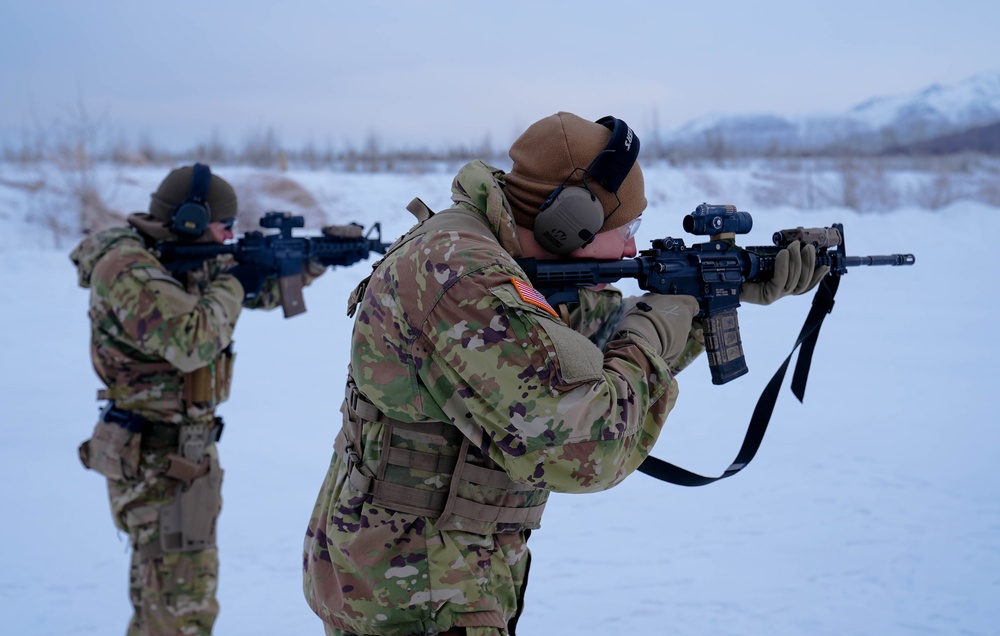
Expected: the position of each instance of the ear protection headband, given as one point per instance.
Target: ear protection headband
(192, 215)
(571, 217)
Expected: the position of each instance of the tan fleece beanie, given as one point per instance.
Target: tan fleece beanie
(176, 187)
(548, 151)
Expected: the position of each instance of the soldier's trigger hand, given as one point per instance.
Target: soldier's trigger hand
(795, 272)
(250, 276)
(664, 321)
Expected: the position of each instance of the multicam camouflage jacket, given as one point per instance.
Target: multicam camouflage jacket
(447, 331)
(150, 331)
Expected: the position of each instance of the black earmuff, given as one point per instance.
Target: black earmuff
(192, 215)
(571, 217)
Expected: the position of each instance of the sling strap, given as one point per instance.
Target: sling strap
(443, 504)
(821, 306)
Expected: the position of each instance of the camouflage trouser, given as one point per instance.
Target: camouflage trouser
(171, 592)
(454, 631)
(174, 593)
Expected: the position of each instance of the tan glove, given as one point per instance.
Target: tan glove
(795, 272)
(663, 321)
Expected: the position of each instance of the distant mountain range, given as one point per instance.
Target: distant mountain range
(936, 119)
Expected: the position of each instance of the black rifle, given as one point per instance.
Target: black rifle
(713, 272)
(281, 254)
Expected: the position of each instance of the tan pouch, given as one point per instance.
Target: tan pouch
(112, 451)
(198, 389)
(224, 374)
(188, 522)
(208, 386)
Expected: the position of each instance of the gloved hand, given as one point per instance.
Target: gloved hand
(795, 272)
(662, 320)
(251, 276)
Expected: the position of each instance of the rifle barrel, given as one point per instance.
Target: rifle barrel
(894, 260)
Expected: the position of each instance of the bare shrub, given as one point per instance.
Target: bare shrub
(936, 193)
(866, 187)
(795, 189)
(261, 148)
(212, 150)
(705, 183)
(73, 199)
(989, 192)
(29, 186)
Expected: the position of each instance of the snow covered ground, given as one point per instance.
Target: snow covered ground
(872, 508)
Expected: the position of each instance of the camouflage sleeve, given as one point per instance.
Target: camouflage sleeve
(164, 320)
(545, 402)
(597, 313)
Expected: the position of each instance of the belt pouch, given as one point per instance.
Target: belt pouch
(112, 451)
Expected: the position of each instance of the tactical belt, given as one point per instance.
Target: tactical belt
(156, 435)
(440, 504)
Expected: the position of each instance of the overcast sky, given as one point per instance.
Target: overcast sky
(441, 72)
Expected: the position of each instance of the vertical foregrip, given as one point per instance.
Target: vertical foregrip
(724, 346)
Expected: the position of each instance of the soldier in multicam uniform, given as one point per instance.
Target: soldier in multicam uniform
(470, 398)
(162, 345)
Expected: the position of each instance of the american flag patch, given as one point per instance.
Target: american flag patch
(531, 296)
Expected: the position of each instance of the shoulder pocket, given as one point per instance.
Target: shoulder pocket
(578, 359)
(151, 273)
(167, 291)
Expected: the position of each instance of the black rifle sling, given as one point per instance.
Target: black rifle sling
(821, 306)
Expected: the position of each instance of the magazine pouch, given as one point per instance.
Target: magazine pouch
(112, 451)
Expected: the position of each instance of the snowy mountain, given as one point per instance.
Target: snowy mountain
(872, 126)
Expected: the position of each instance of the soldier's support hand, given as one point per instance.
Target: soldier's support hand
(663, 321)
(350, 231)
(795, 272)
(250, 276)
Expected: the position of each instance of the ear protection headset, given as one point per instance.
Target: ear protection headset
(192, 215)
(571, 217)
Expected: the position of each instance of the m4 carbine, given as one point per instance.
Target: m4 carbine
(280, 254)
(713, 272)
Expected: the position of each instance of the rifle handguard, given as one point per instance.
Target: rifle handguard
(724, 346)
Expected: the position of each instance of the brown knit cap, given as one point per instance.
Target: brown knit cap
(548, 151)
(176, 187)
